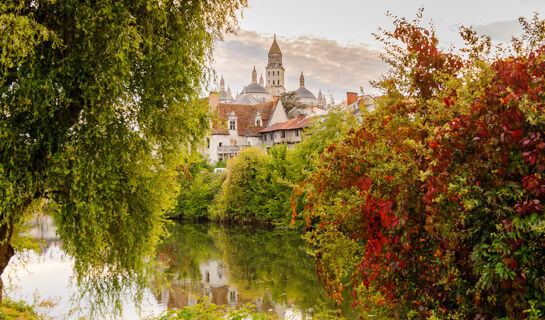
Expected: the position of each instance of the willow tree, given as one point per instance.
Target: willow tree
(96, 111)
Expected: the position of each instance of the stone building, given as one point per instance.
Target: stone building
(236, 126)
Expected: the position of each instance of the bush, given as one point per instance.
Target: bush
(199, 190)
(240, 197)
(438, 194)
(260, 185)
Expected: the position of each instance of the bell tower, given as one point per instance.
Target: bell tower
(275, 70)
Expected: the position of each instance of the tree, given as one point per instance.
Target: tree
(437, 196)
(290, 102)
(98, 105)
(240, 198)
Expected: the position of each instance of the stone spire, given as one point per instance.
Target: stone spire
(275, 49)
(229, 92)
(261, 80)
(254, 76)
(302, 80)
(320, 95)
(222, 84)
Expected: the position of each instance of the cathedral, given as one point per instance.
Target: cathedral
(260, 91)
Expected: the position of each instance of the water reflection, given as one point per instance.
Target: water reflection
(232, 266)
(235, 265)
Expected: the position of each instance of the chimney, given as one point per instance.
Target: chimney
(213, 100)
(351, 97)
(275, 100)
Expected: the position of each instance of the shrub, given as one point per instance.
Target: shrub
(198, 193)
(439, 191)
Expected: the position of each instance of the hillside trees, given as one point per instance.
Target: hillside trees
(96, 110)
(438, 194)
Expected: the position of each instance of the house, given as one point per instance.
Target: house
(236, 126)
(289, 131)
(355, 103)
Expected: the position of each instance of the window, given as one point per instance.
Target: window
(269, 73)
(283, 134)
(297, 132)
(272, 139)
(232, 121)
(220, 144)
(257, 119)
(264, 137)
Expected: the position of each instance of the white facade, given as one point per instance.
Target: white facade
(278, 115)
(238, 127)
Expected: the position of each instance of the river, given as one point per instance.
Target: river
(232, 266)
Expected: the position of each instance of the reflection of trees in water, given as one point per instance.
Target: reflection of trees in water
(236, 265)
(42, 229)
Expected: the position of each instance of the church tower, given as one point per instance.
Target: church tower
(275, 70)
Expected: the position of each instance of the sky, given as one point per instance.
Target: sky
(332, 42)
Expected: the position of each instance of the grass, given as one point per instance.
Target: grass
(11, 310)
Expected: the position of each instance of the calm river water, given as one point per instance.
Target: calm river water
(231, 266)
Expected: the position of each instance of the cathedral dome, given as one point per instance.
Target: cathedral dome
(304, 93)
(255, 87)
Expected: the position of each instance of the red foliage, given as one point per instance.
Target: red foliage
(422, 236)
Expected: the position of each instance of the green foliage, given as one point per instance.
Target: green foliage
(210, 311)
(16, 310)
(98, 107)
(199, 191)
(239, 198)
(438, 194)
(260, 186)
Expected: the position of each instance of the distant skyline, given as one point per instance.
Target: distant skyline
(332, 41)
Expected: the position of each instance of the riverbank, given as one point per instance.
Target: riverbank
(17, 310)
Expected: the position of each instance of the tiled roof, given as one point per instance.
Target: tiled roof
(299, 122)
(246, 115)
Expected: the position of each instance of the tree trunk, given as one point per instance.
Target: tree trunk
(6, 252)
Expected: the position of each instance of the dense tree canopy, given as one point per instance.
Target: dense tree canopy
(97, 109)
(433, 206)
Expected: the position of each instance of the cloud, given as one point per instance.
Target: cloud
(501, 30)
(328, 66)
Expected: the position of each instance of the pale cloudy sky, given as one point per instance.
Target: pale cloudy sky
(332, 42)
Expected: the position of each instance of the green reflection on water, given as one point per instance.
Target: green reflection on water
(237, 265)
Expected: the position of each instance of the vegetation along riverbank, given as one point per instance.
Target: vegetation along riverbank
(431, 206)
